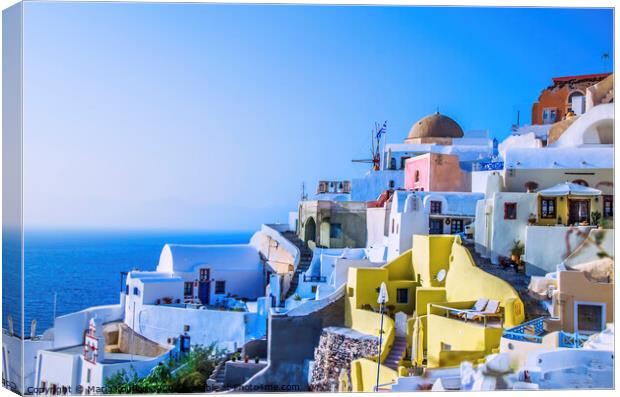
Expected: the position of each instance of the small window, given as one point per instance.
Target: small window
(313, 289)
(510, 210)
(456, 226)
(417, 175)
(88, 375)
(608, 206)
(391, 184)
(550, 115)
(204, 274)
(335, 230)
(580, 182)
(126, 289)
(402, 295)
(188, 290)
(136, 291)
(392, 226)
(403, 160)
(548, 208)
(392, 163)
(435, 207)
(220, 287)
(590, 318)
(351, 292)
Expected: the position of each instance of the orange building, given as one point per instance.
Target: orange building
(566, 94)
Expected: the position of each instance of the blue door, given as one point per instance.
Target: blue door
(203, 286)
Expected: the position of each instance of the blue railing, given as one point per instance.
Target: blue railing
(530, 331)
(315, 279)
(575, 340)
(490, 166)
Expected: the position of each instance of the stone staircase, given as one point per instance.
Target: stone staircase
(396, 353)
(304, 260)
(216, 380)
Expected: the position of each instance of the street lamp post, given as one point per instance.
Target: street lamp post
(381, 300)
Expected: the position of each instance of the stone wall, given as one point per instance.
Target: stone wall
(337, 348)
(292, 340)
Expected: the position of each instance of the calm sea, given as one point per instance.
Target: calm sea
(83, 267)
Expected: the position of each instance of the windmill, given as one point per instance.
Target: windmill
(375, 151)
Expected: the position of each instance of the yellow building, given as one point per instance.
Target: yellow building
(571, 204)
(437, 281)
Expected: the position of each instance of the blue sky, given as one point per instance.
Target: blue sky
(190, 116)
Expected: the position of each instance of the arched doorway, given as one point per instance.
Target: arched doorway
(310, 230)
(576, 102)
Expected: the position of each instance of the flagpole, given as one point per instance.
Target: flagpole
(381, 300)
(380, 342)
(383, 152)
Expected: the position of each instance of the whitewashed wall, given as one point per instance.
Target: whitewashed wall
(58, 368)
(545, 247)
(226, 328)
(505, 231)
(69, 329)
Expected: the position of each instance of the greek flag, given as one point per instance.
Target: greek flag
(382, 130)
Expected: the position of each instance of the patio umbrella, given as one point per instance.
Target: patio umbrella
(417, 344)
(566, 188)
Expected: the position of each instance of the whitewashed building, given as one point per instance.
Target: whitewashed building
(392, 225)
(516, 206)
(435, 133)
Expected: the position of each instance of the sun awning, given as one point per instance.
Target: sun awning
(566, 188)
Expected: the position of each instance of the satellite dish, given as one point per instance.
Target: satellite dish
(441, 275)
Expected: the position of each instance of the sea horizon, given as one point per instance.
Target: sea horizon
(82, 266)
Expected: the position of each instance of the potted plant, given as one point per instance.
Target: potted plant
(297, 297)
(158, 301)
(531, 219)
(517, 250)
(246, 359)
(234, 357)
(167, 300)
(256, 360)
(595, 217)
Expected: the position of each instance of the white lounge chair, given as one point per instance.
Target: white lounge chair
(492, 307)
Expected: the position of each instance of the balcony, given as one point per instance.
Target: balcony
(463, 311)
(535, 330)
(314, 279)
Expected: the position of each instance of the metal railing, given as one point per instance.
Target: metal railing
(315, 279)
(488, 166)
(568, 339)
(470, 315)
(530, 331)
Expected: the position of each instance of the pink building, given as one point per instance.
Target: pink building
(436, 172)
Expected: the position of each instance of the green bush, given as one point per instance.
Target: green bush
(191, 376)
